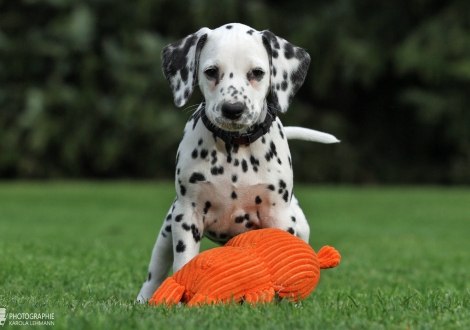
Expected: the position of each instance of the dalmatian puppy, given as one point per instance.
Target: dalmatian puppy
(233, 165)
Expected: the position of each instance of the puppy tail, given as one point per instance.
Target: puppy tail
(301, 133)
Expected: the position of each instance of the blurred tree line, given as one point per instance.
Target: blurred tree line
(82, 94)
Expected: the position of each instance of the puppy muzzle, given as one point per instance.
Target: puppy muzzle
(233, 111)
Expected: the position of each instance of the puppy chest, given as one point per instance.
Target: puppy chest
(229, 209)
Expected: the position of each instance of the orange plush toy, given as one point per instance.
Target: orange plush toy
(251, 267)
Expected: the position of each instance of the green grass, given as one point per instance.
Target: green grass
(80, 251)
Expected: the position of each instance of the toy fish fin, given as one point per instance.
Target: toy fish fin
(169, 293)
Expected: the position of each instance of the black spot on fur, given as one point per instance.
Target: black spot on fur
(217, 170)
(286, 196)
(168, 217)
(204, 153)
(280, 130)
(250, 32)
(196, 233)
(289, 51)
(284, 85)
(271, 187)
(254, 161)
(272, 148)
(258, 200)
(291, 230)
(183, 190)
(168, 228)
(234, 195)
(149, 277)
(228, 27)
(247, 216)
(239, 219)
(186, 226)
(199, 142)
(244, 166)
(234, 178)
(207, 207)
(179, 217)
(231, 75)
(180, 247)
(293, 219)
(196, 176)
(249, 224)
(282, 184)
(214, 157)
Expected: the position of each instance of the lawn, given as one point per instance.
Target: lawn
(80, 250)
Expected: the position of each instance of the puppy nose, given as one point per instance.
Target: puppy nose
(232, 110)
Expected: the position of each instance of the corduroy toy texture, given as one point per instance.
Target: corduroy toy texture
(252, 267)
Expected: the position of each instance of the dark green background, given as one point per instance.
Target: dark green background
(82, 94)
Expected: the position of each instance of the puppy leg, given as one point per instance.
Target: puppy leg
(301, 224)
(187, 232)
(160, 262)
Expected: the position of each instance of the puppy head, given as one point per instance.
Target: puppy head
(236, 67)
(234, 77)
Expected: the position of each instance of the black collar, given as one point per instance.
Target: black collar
(254, 133)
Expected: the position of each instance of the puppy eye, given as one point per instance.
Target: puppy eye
(257, 73)
(211, 73)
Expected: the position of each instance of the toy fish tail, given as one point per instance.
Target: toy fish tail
(329, 257)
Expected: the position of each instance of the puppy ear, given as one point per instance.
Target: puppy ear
(289, 66)
(180, 61)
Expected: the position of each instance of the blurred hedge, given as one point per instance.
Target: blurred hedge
(82, 93)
